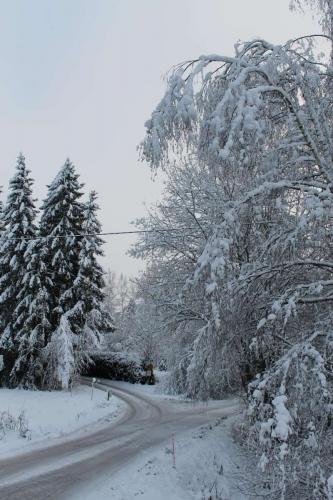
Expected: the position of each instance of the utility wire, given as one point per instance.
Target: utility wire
(118, 233)
(115, 233)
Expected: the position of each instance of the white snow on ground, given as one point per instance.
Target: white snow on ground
(151, 390)
(53, 415)
(159, 390)
(207, 463)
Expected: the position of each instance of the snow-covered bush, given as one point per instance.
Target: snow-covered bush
(115, 366)
(291, 411)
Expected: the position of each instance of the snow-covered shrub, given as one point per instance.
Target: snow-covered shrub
(115, 366)
(291, 411)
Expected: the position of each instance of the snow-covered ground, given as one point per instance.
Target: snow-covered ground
(48, 415)
(193, 465)
(207, 462)
(158, 390)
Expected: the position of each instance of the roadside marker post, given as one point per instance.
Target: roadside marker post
(173, 451)
(92, 388)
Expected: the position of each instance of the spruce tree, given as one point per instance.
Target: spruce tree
(60, 228)
(89, 284)
(33, 324)
(61, 223)
(1, 214)
(19, 227)
(88, 318)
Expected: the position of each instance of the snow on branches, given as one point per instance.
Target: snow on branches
(51, 284)
(257, 130)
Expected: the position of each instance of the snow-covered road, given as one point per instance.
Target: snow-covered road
(56, 471)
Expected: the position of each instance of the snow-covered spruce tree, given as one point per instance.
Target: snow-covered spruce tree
(19, 227)
(264, 115)
(60, 227)
(2, 224)
(88, 318)
(33, 319)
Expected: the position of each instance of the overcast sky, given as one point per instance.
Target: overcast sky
(80, 77)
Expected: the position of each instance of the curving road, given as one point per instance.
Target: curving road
(52, 472)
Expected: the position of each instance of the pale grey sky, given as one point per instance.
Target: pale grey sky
(80, 78)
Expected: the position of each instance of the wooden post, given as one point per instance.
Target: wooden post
(173, 451)
(92, 388)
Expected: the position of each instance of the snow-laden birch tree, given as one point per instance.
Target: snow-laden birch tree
(259, 124)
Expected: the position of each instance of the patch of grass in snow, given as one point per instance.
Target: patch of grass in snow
(9, 423)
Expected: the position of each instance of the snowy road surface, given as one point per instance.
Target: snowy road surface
(56, 471)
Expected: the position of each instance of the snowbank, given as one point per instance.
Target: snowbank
(53, 415)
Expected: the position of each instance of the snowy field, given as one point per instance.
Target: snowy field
(42, 415)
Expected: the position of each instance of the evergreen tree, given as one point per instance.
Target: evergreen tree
(1, 214)
(33, 324)
(88, 318)
(60, 356)
(60, 227)
(19, 215)
(61, 223)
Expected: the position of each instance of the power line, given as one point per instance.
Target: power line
(91, 235)
(118, 233)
